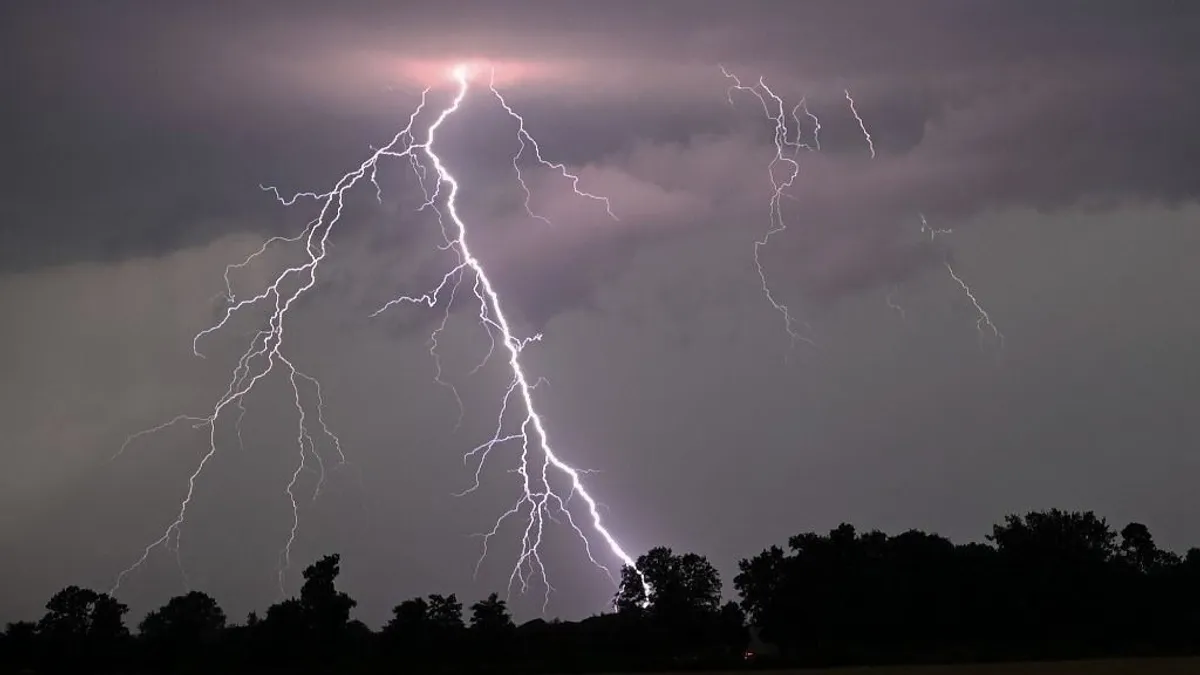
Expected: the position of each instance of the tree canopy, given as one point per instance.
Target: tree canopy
(1046, 584)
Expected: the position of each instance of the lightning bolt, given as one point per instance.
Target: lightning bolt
(983, 320)
(773, 108)
(861, 124)
(787, 149)
(538, 460)
(526, 140)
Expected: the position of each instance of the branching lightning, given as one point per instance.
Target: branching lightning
(527, 140)
(931, 231)
(786, 151)
(787, 145)
(983, 320)
(538, 460)
(538, 463)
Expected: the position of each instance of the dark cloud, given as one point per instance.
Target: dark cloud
(150, 115)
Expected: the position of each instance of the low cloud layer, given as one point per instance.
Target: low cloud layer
(988, 106)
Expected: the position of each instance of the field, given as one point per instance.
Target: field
(1180, 666)
(1190, 666)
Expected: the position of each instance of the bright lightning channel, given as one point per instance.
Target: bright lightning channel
(538, 500)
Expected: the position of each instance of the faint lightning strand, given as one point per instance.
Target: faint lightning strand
(305, 442)
(483, 449)
(528, 140)
(775, 113)
(229, 294)
(421, 172)
(337, 443)
(816, 124)
(437, 358)
(861, 124)
(933, 233)
(797, 144)
(984, 319)
(197, 422)
(891, 302)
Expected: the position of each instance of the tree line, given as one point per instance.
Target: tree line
(1048, 584)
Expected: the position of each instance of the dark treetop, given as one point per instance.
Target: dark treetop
(1045, 585)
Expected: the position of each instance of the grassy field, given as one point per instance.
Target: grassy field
(1188, 666)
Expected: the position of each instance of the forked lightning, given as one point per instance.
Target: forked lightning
(787, 145)
(538, 461)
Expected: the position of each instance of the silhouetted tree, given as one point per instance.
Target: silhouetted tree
(1057, 568)
(187, 628)
(1054, 584)
(492, 631)
(491, 616)
(424, 631)
(408, 633)
(82, 626)
(282, 637)
(1058, 538)
(311, 628)
(327, 609)
(446, 614)
(765, 584)
(681, 611)
(685, 583)
(732, 632)
(1137, 549)
(409, 617)
(19, 646)
(1050, 584)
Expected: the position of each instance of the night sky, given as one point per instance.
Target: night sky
(1056, 139)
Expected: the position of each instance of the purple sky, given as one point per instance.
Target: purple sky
(1055, 139)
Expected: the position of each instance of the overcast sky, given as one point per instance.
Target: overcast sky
(1056, 140)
